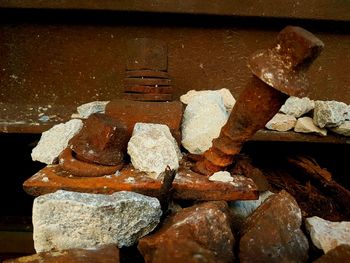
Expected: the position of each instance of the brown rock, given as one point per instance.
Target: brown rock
(102, 140)
(105, 254)
(200, 233)
(340, 254)
(130, 112)
(272, 233)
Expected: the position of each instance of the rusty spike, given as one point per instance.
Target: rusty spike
(278, 72)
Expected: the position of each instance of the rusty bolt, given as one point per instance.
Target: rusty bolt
(278, 72)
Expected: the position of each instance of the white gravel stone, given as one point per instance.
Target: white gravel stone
(281, 122)
(152, 148)
(221, 176)
(297, 107)
(327, 235)
(343, 129)
(306, 125)
(330, 113)
(202, 121)
(228, 99)
(55, 140)
(85, 110)
(65, 220)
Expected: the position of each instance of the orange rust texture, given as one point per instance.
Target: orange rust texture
(130, 112)
(187, 184)
(257, 104)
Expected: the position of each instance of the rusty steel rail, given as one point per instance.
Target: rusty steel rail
(58, 56)
(312, 9)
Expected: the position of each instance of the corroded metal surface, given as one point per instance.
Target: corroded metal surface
(80, 168)
(102, 254)
(131, 112)
(312, 9)
(187, 184)
(283, 65)
(294, 50)
(149, 58)
(102, 140)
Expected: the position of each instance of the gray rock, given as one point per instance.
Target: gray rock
(65, 220)
(343, 129)
(327, 235)
(152, 148)
(306, 125)
(281, 122)
(330, 113)
(240, 210)
(228, 99)
(55, 140)
(85, 110)
(202, 121)
(297, 107)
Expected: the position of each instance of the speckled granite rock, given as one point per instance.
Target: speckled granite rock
(327, 235)
(55, 140)
(330, 113)
(65, 220)
(152, 148)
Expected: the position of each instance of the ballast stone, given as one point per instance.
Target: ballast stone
(297, 107)
(202, 121)
(65, 220)
(55, 140)
(330, 113)
(152, 148)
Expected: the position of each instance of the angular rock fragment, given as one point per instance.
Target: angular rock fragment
(202, 121)
(327, 235)
(85, 110)
(240, 210)
(297, 107)
(281, 122)
(103, 254)
(55, 140)
(306, 125)
(272, 233)
(343, 129)
(66, 220)
(102, 140)
(222, 176)
(340, 254)
(330, 113)
(200, 233)
(228, 99)
(152, 148)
